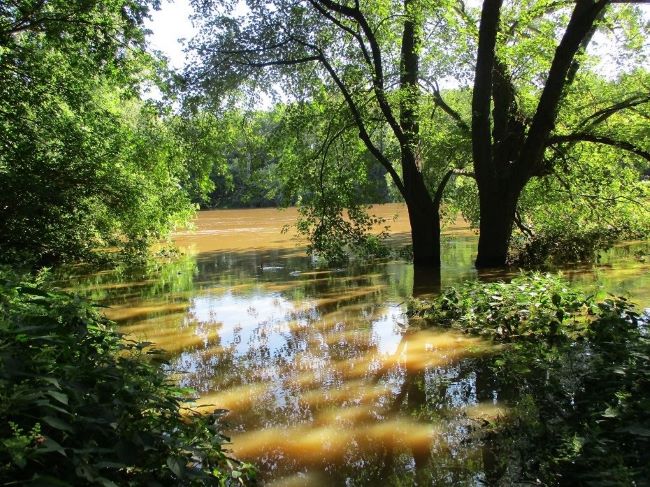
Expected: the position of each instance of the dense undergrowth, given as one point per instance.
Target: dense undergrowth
(554, 247)
(80, 405)
(574, 372)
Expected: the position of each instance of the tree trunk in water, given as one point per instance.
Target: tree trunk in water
(497, 220)
(426, 281)
(424, 214)
(425, 235)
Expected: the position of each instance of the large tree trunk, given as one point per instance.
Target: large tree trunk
(424, 214)
(425, 234)
(498, 206)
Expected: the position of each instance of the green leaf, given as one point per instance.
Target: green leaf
(58, 423)
(59, 396)
(177, 465)
(611, 413)
(50, 445)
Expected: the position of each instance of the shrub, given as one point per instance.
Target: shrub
(80, 405)
(555, 247)
(533, 305)
(573, 372)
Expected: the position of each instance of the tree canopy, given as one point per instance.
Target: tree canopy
(85, 163)
(525, 62)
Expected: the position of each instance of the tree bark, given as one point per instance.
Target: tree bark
(498, 207)
(425, 235)
(506, 159)
(423, 213)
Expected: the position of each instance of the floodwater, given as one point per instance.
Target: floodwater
(324, 382)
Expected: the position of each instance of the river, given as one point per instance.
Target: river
(323, 382)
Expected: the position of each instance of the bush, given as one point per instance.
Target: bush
(336, 238)
(533, 306)
(556, 247)
(573, 372)
(79, 405)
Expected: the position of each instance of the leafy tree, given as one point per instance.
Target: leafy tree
(329, 171)
(381, 57)
(84, 163)
(514, 127)
(591, 195)
(82, 406)
(361, 50)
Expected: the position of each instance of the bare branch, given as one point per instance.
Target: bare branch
(440, 102)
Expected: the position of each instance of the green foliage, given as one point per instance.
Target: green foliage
(329, 172)
(557, 246)
(82, 406)
(337, 234)
(530, 306)
(595, 194)
(574, 372)
(85, 164)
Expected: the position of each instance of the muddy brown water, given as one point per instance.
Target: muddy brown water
(324, 383)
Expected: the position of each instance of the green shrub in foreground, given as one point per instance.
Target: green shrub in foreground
(577, 372)
(79, 405)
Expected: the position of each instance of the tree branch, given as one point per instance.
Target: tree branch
(278, 62)
(363, 132)
(579, 28)
(440, 102)
(598, 139)
(345, 28)
(520, 225)
(377, 63)
(481, 137)
(437, 199)
(601, 115)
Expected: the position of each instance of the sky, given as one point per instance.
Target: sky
(171, 24)
(168, 25)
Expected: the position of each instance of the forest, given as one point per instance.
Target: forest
(351, 242)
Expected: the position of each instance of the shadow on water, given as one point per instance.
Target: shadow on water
(325, 382)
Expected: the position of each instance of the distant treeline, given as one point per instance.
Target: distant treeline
(254, 155)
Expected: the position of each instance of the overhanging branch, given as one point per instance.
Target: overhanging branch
(599, 139)
(443, 183)
(601, 115)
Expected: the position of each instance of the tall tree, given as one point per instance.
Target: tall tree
(381, 55)
(510, 144)
(84, 163)
(368, 51)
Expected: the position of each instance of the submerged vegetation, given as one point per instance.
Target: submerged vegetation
(80, 405)
(575, 372)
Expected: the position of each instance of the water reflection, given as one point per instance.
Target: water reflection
(324, 384)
